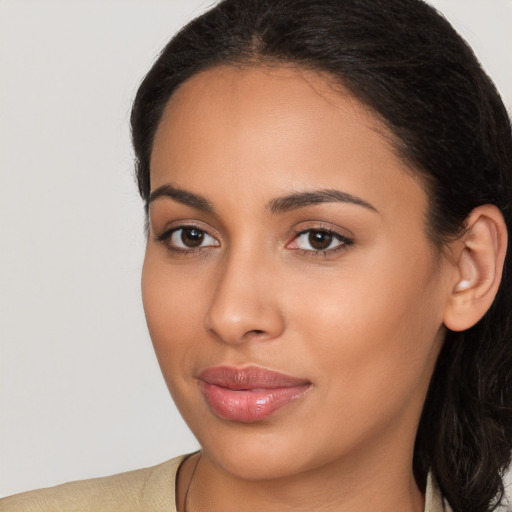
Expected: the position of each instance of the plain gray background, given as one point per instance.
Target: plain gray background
(80, 390)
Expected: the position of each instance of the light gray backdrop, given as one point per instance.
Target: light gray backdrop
(80, 390)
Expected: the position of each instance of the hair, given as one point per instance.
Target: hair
(406, 62)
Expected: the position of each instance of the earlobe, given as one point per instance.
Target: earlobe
(479, 263)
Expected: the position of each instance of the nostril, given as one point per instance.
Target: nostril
(255, 334)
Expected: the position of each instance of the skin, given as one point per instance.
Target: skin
(363, 323)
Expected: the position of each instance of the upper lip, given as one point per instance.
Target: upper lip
(250, 377)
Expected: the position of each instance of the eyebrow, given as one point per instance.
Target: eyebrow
(278, 205)
(181, 196)
(303, 199)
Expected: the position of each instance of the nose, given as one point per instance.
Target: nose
(244, 305)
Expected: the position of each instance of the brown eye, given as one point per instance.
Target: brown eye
(320, 240)
(191, 238)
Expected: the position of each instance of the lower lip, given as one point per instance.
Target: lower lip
(249, 406)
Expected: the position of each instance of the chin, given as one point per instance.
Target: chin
(255, 451)
(255, 461)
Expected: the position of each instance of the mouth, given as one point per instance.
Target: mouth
(249, 394)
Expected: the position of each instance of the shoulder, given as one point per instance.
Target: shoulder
(149, 489)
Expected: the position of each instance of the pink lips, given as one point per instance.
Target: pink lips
(248, 394)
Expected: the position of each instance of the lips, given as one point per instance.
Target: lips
(248, 394)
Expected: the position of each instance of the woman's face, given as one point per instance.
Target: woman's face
(286, 236)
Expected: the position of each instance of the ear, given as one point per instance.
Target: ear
(479, 257)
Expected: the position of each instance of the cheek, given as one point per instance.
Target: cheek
(172, 304)
(373, 331)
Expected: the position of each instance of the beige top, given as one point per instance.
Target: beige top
(144, 490)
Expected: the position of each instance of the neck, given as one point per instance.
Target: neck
(341, 486)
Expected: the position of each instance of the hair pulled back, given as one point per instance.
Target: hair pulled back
(406, 62)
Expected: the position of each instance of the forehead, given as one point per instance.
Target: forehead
(279, 126)
(279, 102)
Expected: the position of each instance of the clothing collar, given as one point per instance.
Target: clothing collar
(434, 501)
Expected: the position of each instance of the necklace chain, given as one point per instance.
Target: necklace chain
(189, 486)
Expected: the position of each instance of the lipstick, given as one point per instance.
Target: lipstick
(248, 394)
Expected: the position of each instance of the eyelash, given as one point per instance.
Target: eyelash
(345, 242)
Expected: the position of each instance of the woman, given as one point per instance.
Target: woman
(326, 283)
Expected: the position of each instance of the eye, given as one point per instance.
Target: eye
(319, 241)
(187, 238)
